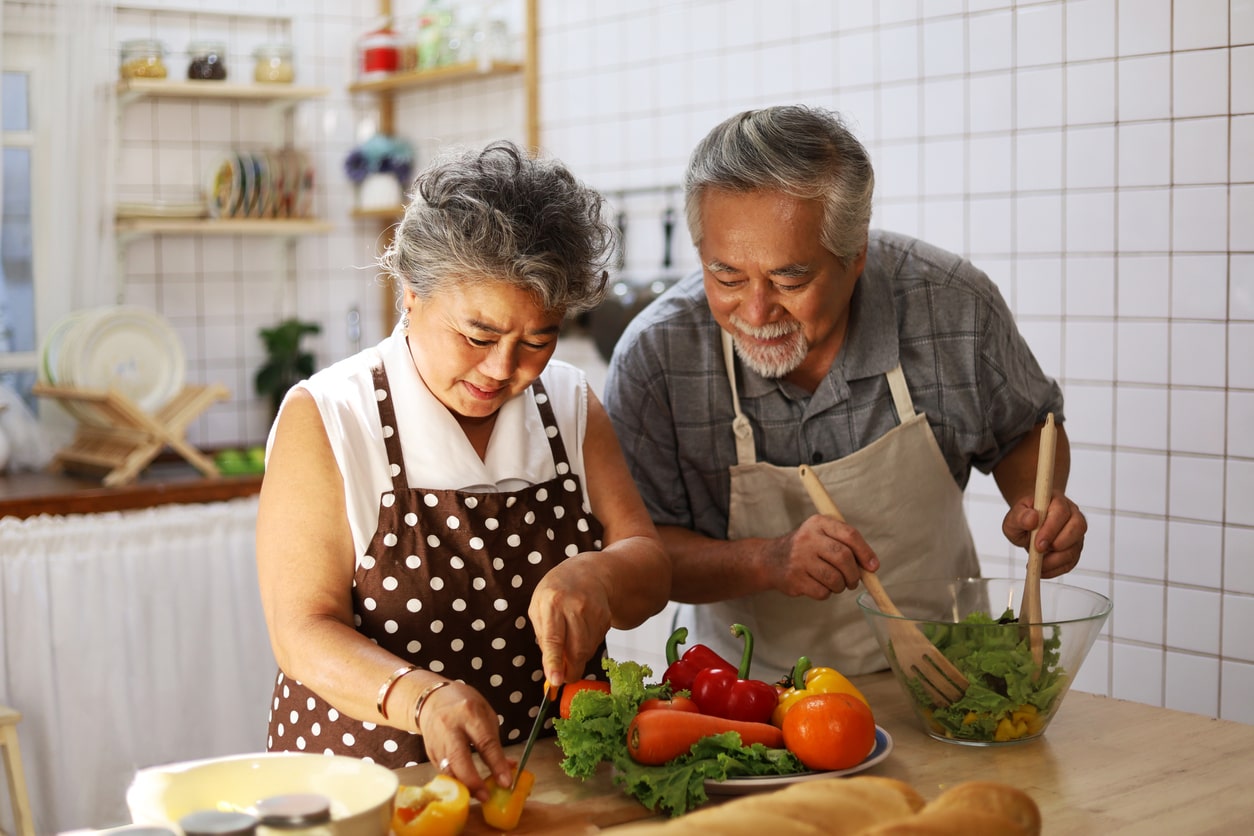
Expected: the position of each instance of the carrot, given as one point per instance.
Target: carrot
(655, 737)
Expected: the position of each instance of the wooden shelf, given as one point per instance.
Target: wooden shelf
(133, 89)
(440, 75)
(222, 226)
(383, 213)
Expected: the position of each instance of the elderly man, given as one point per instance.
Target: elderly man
(889, 366)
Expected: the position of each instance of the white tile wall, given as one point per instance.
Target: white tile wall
(1095, 157)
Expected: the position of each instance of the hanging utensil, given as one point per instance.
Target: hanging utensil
(668, 237)
(943, 682)
(1030, 607)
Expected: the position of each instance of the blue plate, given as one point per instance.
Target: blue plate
(764, 783)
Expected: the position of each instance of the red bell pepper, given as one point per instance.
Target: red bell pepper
(727, 692)
(682, 671)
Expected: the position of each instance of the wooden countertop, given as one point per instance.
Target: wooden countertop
(1104, 766)
(31, 494)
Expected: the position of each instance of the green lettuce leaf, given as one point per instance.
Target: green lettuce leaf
(997, 661)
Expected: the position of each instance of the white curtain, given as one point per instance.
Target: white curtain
(78, 105)
(129, 640)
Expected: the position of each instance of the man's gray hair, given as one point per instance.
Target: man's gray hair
(805, 152)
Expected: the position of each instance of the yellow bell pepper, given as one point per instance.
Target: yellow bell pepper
(438, 808)
(820, 680)
(504, 806)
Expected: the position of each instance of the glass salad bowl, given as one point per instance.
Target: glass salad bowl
(972, 621)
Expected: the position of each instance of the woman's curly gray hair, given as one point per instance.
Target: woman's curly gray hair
(497, 214)
(804, 152)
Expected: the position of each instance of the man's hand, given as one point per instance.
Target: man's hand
(823, 556)
(1061, 535)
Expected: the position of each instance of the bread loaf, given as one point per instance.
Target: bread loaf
(992, 797)
(863, 805)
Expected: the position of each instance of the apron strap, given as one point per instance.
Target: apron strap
(391, 435)
(549, 419)
(901, 394)
(746, 453)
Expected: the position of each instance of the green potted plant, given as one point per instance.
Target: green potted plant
(286, 363)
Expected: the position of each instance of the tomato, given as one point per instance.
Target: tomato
(571, 688)
(673, 704)
(438, 808)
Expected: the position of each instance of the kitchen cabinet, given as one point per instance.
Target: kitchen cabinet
(386, 89)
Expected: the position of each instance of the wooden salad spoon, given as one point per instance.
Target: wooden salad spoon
(943, 682)
(1030, 606)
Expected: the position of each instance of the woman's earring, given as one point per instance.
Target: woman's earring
(405, 319)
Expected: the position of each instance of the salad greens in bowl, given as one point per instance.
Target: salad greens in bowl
(974, 623)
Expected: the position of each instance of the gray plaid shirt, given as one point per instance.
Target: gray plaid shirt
(966, 364)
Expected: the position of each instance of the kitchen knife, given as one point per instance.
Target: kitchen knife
(550, 694)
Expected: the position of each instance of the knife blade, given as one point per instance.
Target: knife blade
(550, 694)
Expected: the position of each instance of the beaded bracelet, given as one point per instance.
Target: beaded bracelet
(422, 698)
(387, 686)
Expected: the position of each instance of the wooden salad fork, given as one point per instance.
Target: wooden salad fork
(943, 682)
(1030, 606)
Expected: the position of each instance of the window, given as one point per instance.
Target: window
(18, 339)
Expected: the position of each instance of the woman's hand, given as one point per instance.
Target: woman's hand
(571, 612)
(455, 719)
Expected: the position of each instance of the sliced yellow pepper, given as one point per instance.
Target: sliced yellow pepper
(820, 680)
(438, 808)
(504, 806)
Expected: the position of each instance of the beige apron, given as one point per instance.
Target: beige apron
(899, 494)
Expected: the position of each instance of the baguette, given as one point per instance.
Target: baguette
(992, 797)
(864, 805)
(822, 807)
(949, 823)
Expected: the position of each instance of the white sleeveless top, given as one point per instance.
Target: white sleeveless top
(436, 451)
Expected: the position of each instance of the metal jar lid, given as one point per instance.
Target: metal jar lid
(293, 810)
(218, 823)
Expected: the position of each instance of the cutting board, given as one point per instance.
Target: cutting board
(559, 805)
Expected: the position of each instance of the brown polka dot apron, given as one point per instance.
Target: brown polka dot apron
(445, 585)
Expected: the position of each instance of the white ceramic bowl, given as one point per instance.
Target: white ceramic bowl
(361, 792)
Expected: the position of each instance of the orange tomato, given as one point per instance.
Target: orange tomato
(571, 688)
(829, 731)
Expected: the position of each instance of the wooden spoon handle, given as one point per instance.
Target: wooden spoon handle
(826, 505)
(1044, 490)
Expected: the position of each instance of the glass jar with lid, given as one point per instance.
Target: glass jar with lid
(273, 64)
(207, 61)
(142, 58)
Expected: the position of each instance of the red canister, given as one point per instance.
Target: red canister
(379, 54)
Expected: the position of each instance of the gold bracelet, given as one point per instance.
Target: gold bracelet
(387, 686)
(422, 698)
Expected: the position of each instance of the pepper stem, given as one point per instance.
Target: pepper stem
(799, 672)
(672, 644)
(740, 631)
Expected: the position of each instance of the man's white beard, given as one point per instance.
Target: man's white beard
(770, 361)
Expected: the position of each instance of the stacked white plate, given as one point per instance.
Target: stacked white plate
(128, 349)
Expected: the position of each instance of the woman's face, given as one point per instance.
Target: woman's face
(477, 344)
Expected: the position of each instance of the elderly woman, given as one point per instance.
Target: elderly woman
(447, 519)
